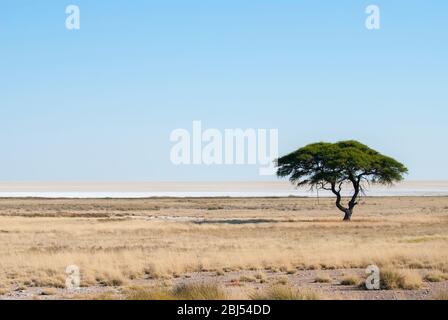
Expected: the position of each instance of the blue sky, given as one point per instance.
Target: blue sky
(100, 103)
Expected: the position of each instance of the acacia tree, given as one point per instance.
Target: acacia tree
(332, 166)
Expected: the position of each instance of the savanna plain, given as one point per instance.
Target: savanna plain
(223, 248)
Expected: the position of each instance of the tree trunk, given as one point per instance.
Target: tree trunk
(347, 215)
(351, 205)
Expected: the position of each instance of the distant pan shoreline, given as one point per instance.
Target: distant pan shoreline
(222, 189)
(144, 195)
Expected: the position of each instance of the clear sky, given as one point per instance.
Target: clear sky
(99, 103)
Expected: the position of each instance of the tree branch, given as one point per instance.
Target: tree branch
(356, 186)
(338, 196)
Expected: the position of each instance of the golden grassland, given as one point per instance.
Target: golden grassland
(117, 241)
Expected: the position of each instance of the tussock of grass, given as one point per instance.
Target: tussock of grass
(48, 292)
(291, 271)
(247, 279)
(94, 296)
(351, 280)
(152, 272)
(273, 269)
(146, 293)
(46, 281)
(215, 208)
(260, 276)
(434, 276)
(111, 280)
(284, 293)
(204, 291)
(282, 280)
(391, 279)
(322, 279)
(196, 291)
(104, 296)
(220, 272)
(287, 269)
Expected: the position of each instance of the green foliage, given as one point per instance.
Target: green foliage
(329, 165)
(321, 164)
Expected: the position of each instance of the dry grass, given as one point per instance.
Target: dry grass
(283, 280)
(351, 280)
(115, 240)
(147, 293)
(435, 276)
(220, 272)
(48, 292)
(291, 271)
(193, 291)
(204, 291)
(98, 296)
(285, 293)
(322, 279)
(391, 279)
(260, 276)
(245, 278)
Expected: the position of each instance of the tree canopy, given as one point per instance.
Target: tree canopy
(329, 165)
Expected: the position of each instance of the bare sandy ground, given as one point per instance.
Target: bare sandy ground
(244, 245)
